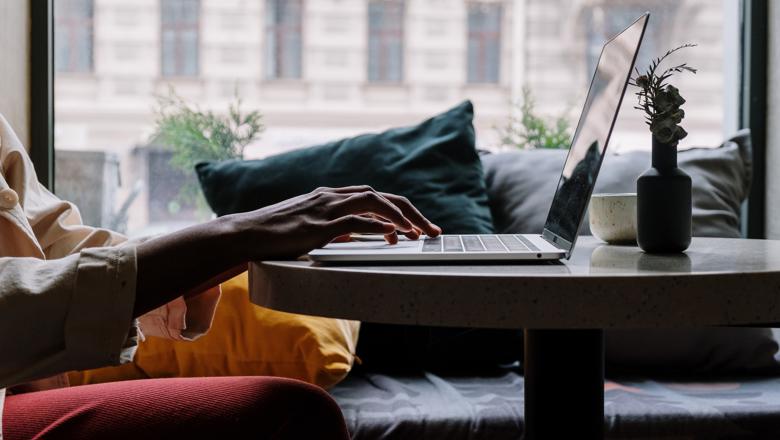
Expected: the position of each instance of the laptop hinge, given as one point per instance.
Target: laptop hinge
(556, 240)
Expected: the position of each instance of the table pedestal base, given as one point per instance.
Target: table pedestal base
(564, 384)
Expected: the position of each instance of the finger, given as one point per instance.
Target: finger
(374, 204)
(413, 214)
(392, 238)
(414, 234)
(348, 189)
(342, 239)
(356, 224)
(406, 207)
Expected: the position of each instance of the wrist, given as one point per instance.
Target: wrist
(234, 237)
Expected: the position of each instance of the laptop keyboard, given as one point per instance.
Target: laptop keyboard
(479, 243)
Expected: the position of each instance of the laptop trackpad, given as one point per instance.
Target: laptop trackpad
(403, 247)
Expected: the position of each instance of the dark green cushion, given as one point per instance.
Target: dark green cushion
(434, 164)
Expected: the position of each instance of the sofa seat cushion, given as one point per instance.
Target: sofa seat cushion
(427, 406)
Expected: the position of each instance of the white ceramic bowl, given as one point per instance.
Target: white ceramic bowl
(613, 217)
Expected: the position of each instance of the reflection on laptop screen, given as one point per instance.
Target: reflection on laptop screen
(592, 134)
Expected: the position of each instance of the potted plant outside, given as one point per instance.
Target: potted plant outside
(195, 135)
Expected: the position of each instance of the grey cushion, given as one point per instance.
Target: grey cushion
(521, 185)
(490, 407)
(424, 405)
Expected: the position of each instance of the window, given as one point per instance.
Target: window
(484, 43)
(165, 204)
(180, 21)
(73, 43)
(604, 22)
(386, 40)
(436, 49)
(284, 39)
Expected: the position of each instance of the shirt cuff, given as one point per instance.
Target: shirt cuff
(100, 329)
(183, 319)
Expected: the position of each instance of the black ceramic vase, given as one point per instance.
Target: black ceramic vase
(663, 210)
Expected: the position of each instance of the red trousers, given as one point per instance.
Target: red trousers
(186, 408)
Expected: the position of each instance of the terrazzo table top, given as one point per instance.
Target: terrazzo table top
(715, 282)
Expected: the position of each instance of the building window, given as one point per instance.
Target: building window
(484, 44)
(180, 34)
(386, 40)
(74, 42)
(284, 36)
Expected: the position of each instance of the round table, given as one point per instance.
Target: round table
(563, 307)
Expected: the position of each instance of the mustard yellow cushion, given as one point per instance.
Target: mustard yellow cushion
(246, 340)
(106, 374)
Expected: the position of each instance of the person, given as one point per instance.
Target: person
(74, 297)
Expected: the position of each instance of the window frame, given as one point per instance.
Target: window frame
(753, 107)
(41, 90)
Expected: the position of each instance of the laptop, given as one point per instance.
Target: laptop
(572, 194)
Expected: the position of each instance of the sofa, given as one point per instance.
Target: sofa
(417, 382)
(686, 384)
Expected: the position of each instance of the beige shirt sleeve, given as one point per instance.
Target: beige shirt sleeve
(53, 227)
(56, 224)
(89, 295)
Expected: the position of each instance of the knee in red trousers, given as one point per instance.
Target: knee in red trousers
(216, 407)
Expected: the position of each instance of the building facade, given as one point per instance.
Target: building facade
(324, 69)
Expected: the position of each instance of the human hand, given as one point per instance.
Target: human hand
(208, 253)
(295, 226)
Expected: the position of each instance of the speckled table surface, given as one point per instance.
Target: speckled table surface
(715, 282)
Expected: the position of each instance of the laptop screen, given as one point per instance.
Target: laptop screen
(592, 135)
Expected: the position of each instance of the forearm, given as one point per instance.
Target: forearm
(192, 258)
(186, 262)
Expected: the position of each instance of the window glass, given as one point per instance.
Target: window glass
(386, 40)
(285, 40)
(73, 43)
(603, 23)
(484, 50)
(432, 53)
(180, 20)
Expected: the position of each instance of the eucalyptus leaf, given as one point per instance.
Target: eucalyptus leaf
(660, 101)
